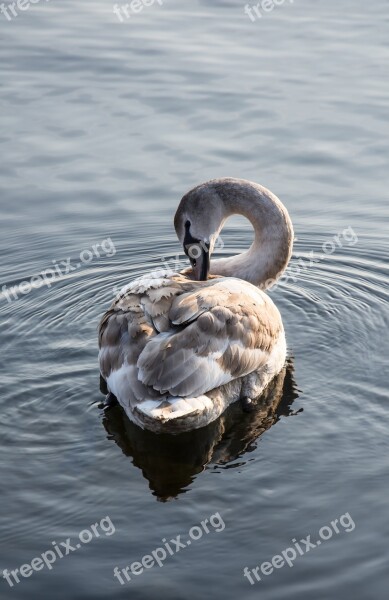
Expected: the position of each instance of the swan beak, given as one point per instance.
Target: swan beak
(201, 268)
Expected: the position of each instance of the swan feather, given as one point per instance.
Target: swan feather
(213, 332)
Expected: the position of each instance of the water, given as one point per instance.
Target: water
(104, 126)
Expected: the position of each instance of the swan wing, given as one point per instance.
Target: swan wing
(220, 330)
(139, 313)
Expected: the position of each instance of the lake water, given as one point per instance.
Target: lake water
(104, 126)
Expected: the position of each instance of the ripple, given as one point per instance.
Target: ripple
(105, 126)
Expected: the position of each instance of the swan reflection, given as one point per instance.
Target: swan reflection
(170, 463)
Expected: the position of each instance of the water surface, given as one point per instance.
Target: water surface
(104, 126)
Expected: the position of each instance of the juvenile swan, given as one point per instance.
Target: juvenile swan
(177, 348)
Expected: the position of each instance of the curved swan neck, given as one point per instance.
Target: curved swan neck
(268, 256)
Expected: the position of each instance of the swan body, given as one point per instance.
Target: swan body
(177, 348)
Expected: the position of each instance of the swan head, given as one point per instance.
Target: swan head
(202, 213)
(197, 222)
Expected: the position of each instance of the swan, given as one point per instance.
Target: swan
(177, 348)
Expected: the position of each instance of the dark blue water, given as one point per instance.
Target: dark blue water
(104, 126)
